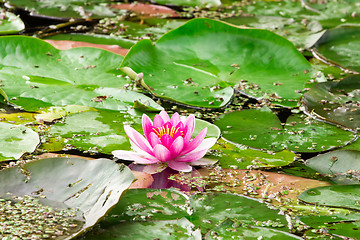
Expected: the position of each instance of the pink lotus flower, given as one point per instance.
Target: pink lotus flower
(167, 141)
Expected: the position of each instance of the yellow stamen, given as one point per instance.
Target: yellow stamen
(161, 131)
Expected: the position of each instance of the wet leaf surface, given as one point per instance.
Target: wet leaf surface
(229, 229)
(342, 166)
(200, 79)
(345, 196)
(68, 9)
(337, 101)
(10, 23)
(240, 157)
(261, 128)
(34, 74)
(15, 140)
(64, 181)
(341, 47)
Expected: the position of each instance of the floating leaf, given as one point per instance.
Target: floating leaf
(15, 140)
(205, 210)
(213, 208)
(10, 23)
(336, 101)
(34, 75)
(232, 230)
(342, 166)
(52, 113)
(342, 224)
(92, 186)
(198, 63)
(148, 204)
(167, 229)
(302, 36)
(266, 131)
(340, 46)
(103, 131)
(345, 196)
(240, 157)
(68, 9)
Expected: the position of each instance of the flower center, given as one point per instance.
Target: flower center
(160, 131)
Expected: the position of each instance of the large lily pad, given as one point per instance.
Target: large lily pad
(91, 186)
(342, 166)
(346, 196)
(10, 23)
(341, 46)
(261, 128)
(198, 63)
(213, 208)
(15, 140)
(336, 101)
(34, 74)
(204, 211)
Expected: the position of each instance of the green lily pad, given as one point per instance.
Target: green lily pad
(34, 75)
(328, 13)
(336, 101)
(345, 196)
(166, 229)
(340, 46)
(15, 140)
(241, 157)
(205, 210)
(213, 208)
(343, 166)
(103, 131)
(69, 8)
(261, 128)
(341, 224)
(91, 186)
(198, 63)
(231, 230)
(10, 23)
(302, 36)
(148, 205)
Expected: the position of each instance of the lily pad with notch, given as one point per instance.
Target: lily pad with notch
(199, 63)
(34, 75)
